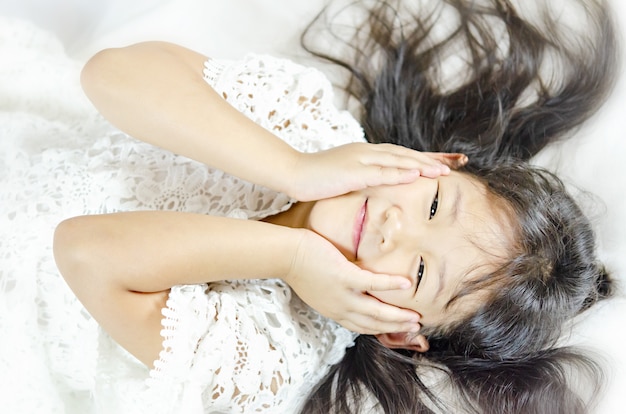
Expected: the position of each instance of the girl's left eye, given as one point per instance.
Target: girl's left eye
(433, 206)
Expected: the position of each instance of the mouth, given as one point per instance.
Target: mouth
(359, 225)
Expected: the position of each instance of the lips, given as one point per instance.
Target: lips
(359, 225)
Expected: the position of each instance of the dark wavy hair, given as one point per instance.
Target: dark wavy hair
(523, 81)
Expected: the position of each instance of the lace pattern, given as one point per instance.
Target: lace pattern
(295, 102)
(59, 158)
(255, 361)
(242, 361)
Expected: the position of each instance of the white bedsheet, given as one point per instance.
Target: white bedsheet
(593, 160)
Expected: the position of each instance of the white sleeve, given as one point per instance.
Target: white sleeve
(294, 102)
(242, 346)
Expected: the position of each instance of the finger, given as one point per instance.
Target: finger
(368, 324)
(451, 159)
(424, 157)
(376, 175)
(429, 164)
(369, 282)
(434, 171)
(389, 314)
(360, 282)
(392, 164)
(405, 159)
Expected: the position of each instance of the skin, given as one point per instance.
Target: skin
(438, 232)
(121, 266)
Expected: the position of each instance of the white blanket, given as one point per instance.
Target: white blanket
(593, 160)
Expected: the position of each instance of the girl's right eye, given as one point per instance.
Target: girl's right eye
(420, 273)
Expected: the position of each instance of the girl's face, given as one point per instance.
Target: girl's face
(434, 231)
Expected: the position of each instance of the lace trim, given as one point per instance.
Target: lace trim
(239, 361)
(212, 70)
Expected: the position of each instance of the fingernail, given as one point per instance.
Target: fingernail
(459, 159)
(405, 285)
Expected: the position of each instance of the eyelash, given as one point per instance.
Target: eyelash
(420, 273)
(433, 211)
(434, 205)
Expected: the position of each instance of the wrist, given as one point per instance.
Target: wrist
(271, 164)
(284, 176)
(293, 256)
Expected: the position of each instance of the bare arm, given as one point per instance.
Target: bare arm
(155, 92)
(121, 266)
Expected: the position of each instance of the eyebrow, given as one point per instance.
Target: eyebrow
(455, 217)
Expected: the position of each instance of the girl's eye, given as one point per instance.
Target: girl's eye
(432, 212)
(420, 273)
(433, 206)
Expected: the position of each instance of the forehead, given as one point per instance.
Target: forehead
(474, 210)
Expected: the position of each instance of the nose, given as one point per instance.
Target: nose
(391, 229)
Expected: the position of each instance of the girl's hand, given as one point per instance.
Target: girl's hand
(356, 166)
(324, 279)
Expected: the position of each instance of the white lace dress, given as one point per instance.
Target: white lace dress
(225, 344)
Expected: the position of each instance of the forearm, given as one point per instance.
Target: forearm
(152, 251)
(121, 266)
(155, 92)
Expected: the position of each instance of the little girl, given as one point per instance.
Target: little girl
(254, 326)
(473, 271)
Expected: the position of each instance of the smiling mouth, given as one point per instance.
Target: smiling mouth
(359, 225)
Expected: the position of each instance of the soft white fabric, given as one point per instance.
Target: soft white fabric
(224, 344)
(231, 341)
(592, 160)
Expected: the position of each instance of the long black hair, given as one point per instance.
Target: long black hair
(520, 81)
